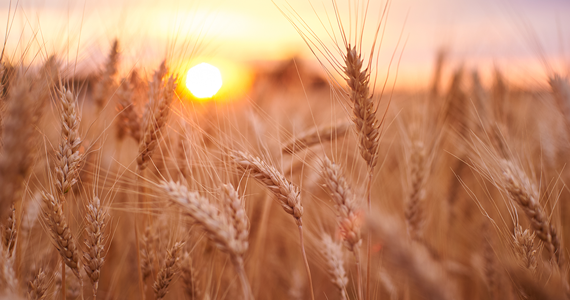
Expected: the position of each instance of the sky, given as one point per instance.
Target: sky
(512, 35)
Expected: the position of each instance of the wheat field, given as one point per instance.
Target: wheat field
(319, 184)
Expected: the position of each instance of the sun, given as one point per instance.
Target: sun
(204, 80)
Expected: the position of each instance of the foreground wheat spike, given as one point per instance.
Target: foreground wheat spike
(189, 278)
(348, 217)
(103, 90)
(17, 153)
(156, 114)
(68, 156)
(413, 210)
(287, 193)
(10, 233)
(60, 233)
(227, 231)
(315, 136)
(167, 272)
(332, 252)
(93, 257)
(237, 218)
(37, 288)
(523, 192)
(363, 108)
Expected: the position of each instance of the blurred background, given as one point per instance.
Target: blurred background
(520, 37)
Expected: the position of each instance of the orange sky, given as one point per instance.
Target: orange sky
(235, 33)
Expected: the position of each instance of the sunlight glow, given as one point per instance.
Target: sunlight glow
(204, 80)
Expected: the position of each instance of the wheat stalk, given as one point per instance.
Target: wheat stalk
(314, 136)
(167, 272)
(335, 263)
(60, 233)
(68, 156)
(93, 257)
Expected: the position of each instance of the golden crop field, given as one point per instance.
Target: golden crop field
(300, 179)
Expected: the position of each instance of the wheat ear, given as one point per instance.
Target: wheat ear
(161, 94)
(367, 126)
(93, 257)
(129, 120)
(68, 156)
(345, 204)
(10, 233)
(61, 234)
(288, 194)
(228, 231)
(189, 278)
(523, 192)
(104, 87)
(347, 215)
(147, 246)
(363, 107)
(314, 136)
(524, 247)
(414, 209)
(332, 252)
(37, 288)
(18, 149)
(167, 272)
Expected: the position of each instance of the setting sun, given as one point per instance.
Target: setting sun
(204, 80)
